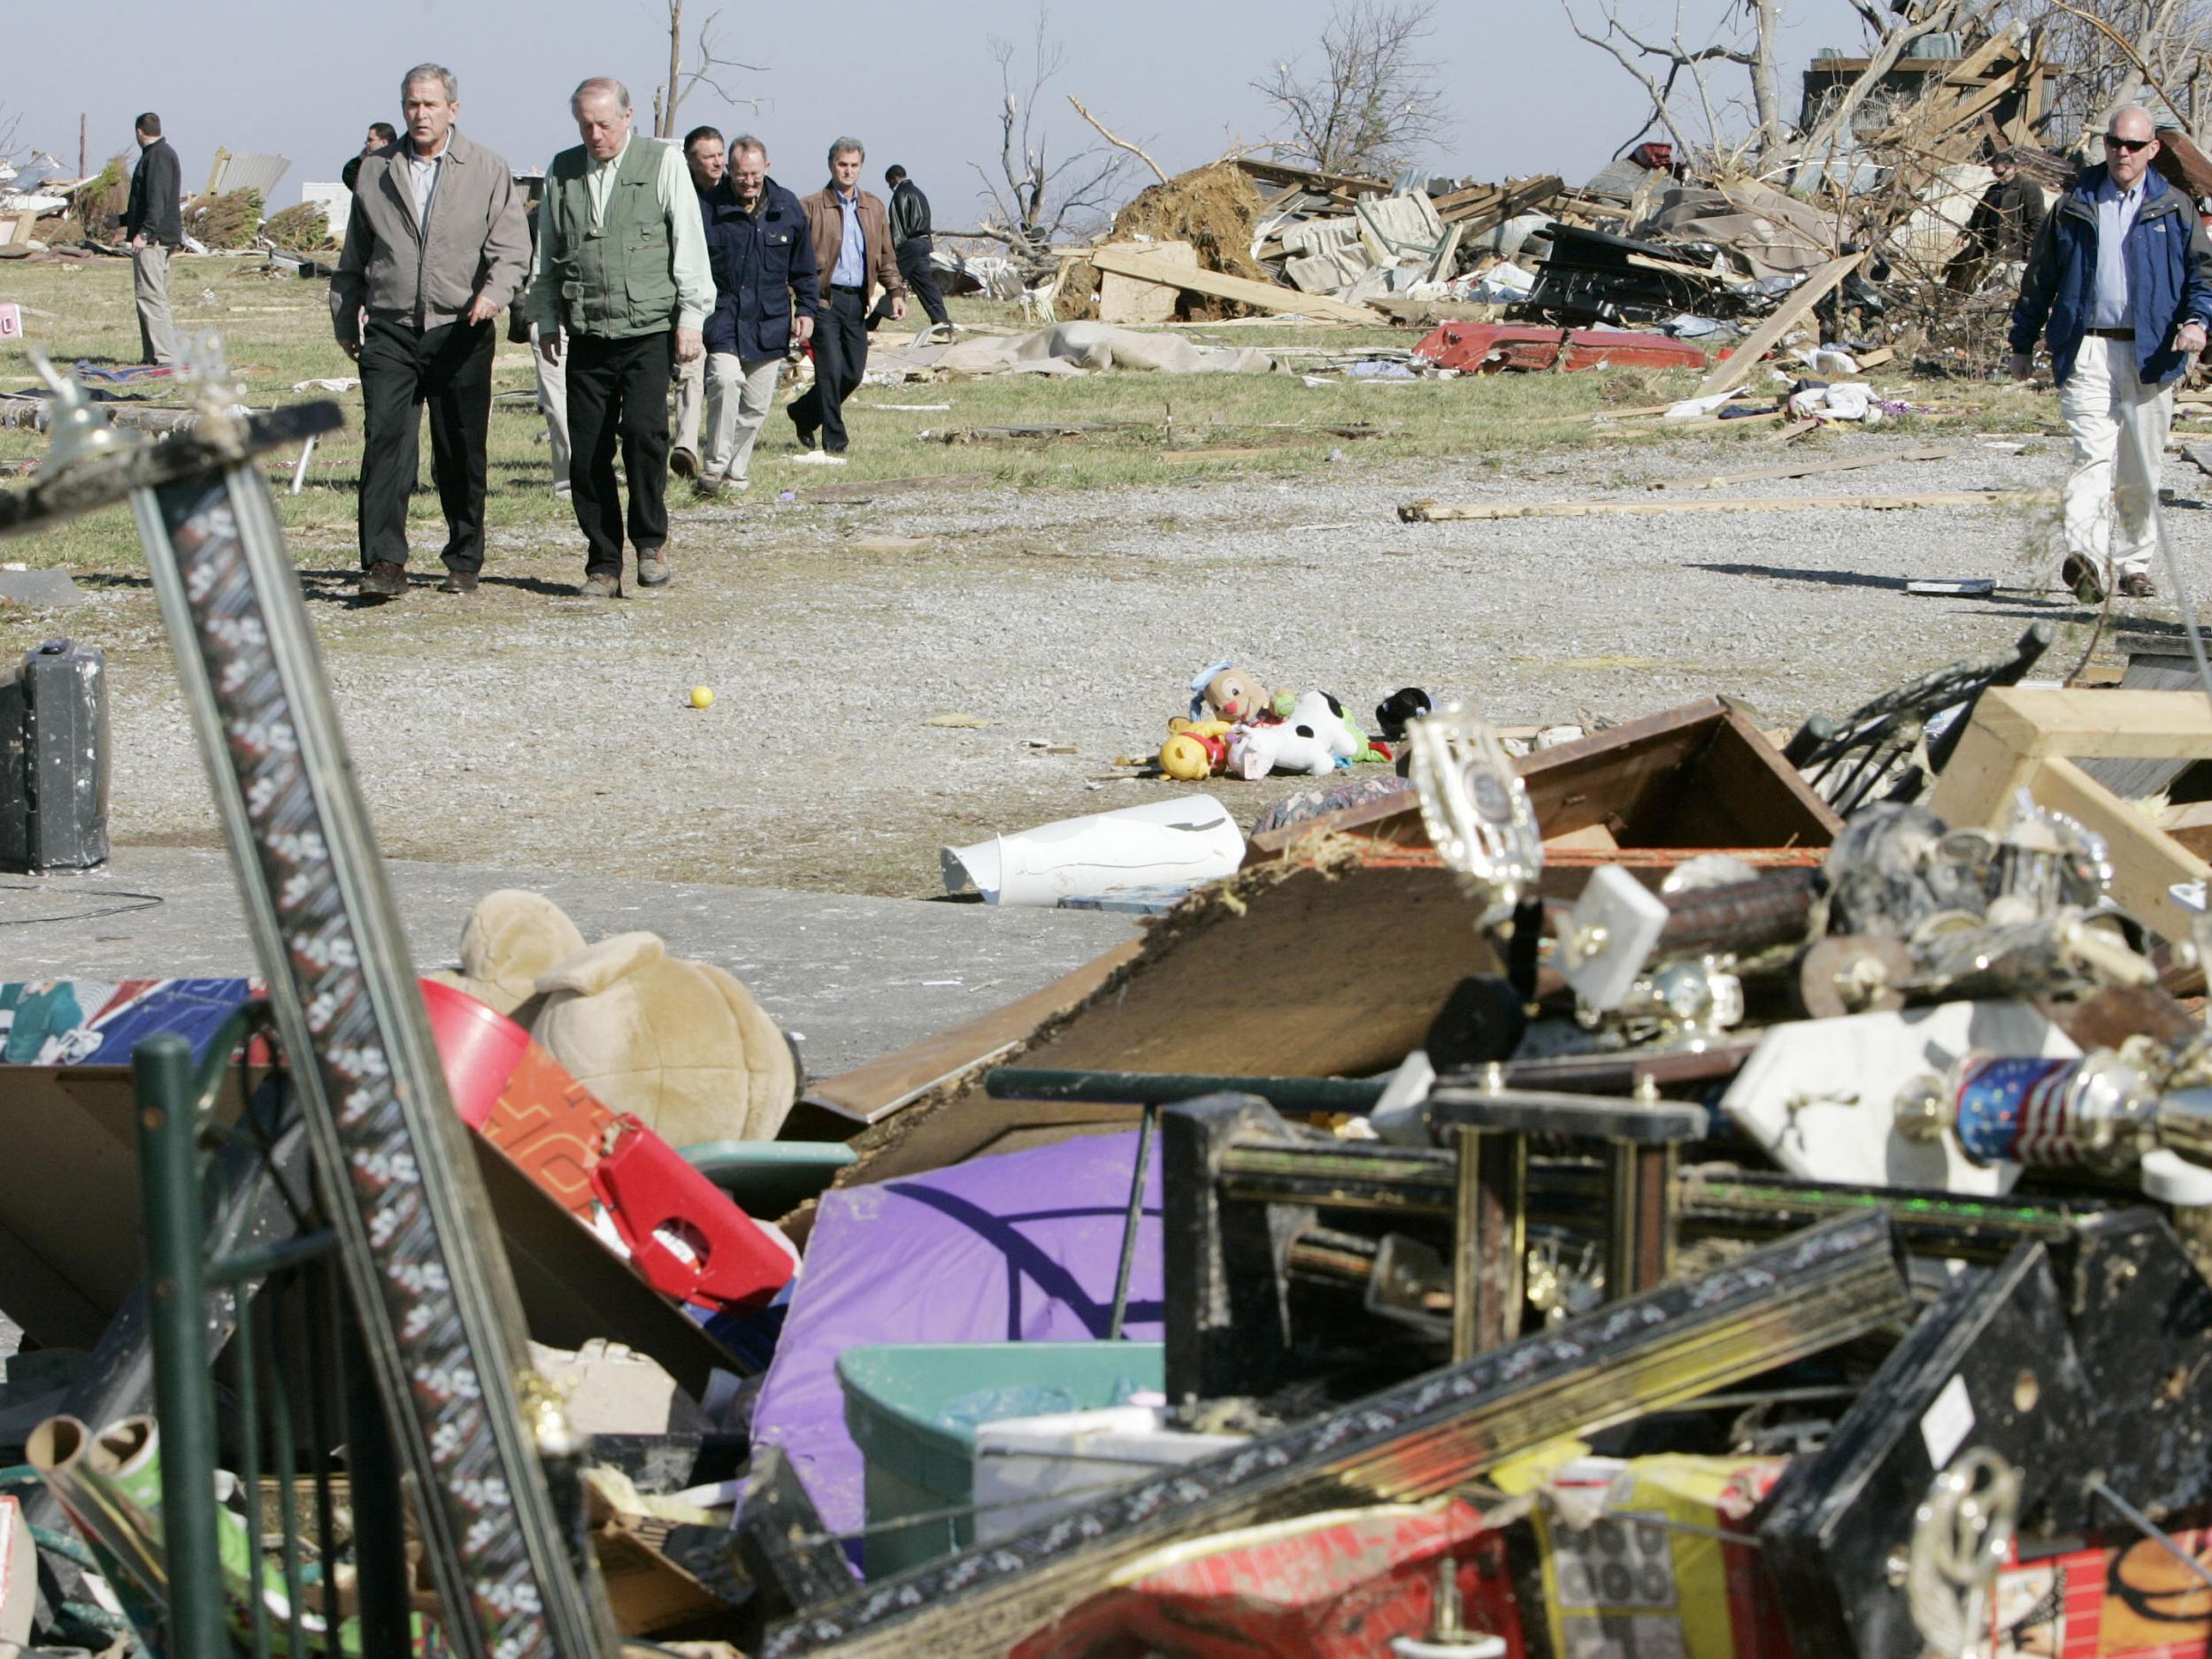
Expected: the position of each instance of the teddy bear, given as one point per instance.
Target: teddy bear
(681, 1046)
(1196, 749)
(1221, 691)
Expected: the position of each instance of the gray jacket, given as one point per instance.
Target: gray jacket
(476, 241)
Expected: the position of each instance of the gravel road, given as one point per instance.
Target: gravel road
(526, 728)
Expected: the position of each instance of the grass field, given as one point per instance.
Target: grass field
(277, 333)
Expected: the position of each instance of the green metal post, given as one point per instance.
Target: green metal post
(184, 1401)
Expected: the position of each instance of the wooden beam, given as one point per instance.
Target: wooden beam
(2027, 740)
(1733, 369)
(1149, 268)
(1805, 469)
(1436, 512)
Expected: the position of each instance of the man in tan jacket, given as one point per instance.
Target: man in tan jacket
(852, 251)
(436, 247)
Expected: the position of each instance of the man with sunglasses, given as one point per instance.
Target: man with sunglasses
(2120, 286)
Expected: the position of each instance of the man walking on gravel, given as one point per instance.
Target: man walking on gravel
(766, 299)
(706, 160)
(2120, 286)
(852, 249)
(153, 224)
(913, 242)
(623, 278)
(437, 248)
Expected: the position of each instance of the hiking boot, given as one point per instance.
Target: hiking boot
(2080, 575)
(2138, 586)
(458, 582)
(652, 569)
(383, 579)
(682, 463)
(600, 585)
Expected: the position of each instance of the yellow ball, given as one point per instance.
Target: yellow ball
(701, 696)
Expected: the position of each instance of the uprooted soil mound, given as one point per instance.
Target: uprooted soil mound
(1216, 209)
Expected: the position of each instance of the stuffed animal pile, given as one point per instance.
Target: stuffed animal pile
(1236, 728)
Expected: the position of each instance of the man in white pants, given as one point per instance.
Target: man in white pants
(2120, 286)
(766, 295)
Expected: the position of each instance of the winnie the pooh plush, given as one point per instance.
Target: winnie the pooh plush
(681, 1046)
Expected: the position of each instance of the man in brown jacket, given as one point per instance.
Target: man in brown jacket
(852, 250)
(436, 247)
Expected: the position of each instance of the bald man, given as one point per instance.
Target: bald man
(2120, 287)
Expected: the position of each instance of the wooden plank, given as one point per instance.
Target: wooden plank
(1436, 512)
(1347, 183)
(2146, 863)
(869, 1093)
(1805, 469)
(2024, 739)
(2133, 725)
(1264, 295)
(1737, 365)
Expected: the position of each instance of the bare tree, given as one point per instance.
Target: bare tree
(706, 70)
(1743, 34)
(2125, 52)
(1035, 196)
(1373, 106)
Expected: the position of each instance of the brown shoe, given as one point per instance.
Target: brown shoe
(2079, 574)
(2136, 585)
(652, 569)
(600, 587)
(383, 579)
(682, 463)
(458, 582)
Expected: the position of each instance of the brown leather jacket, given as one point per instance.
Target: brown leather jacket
(826, 220)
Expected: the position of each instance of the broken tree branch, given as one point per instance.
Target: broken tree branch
(1108, 134)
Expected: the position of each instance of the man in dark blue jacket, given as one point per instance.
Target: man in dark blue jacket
(766, 298)
(2120, 285)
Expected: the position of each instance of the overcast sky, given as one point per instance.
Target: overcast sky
(915, 82)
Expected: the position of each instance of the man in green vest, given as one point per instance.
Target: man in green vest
(622, 278)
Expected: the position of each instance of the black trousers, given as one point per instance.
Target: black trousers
(841, 358)
(921, 281)
(618, 390)
(403, 367)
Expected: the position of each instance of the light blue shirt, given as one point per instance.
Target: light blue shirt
(2110, 306)
(851, 271)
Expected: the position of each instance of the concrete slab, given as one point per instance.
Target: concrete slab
(857, 978)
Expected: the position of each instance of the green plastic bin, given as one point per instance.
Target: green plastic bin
(895, 1398)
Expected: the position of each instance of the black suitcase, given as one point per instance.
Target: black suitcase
(54, 760)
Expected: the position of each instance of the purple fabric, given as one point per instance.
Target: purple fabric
(1019, 1248)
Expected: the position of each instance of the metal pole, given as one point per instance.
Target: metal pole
(184, 1402)
(431, 1287)
(1134, 1219)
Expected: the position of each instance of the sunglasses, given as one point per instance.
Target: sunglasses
(2113, 141)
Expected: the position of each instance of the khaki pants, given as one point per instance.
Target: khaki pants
(553, 404)
(740, 394)
(2119, 426)
(690, 384)
(150, 286)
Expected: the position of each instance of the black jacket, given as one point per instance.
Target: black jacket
(763, 264)
(155, 184)
(910, 214)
